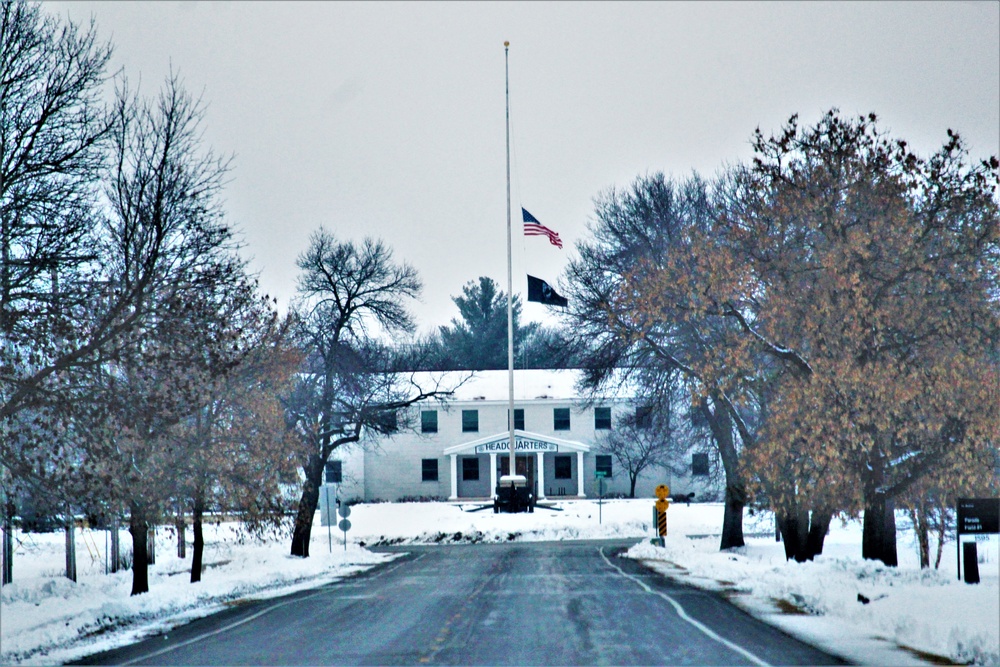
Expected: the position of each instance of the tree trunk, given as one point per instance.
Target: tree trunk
(631, 489)
(721, 424)
(116, 553)
(942, 532)
(788, 526)
(71, 548)
(732, 519)
(819, 526)
(801, 535)
(307, 506)
(199, 539)
(803, 532)
(139, 529)
(918, 516)
(8, 545)
(878, 536)
(151, 546)
(181, 526)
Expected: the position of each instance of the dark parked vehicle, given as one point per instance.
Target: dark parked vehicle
(513, 495)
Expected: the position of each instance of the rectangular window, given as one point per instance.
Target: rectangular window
(428, 421)
(470, 468)
(644, 416)
(387, 421)
(334, 472)
(699, 464)
(697, 417)
(518, 418)
(564, 466)
(429, 470)
(602, 419)
(338, 420)
(470, 421)
(603, 462)
(560, 419)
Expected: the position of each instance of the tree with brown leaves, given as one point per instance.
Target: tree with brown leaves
(873, 275)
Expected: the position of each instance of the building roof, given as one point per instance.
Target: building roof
(529, 384)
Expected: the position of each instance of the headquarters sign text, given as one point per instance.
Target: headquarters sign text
(520, 445)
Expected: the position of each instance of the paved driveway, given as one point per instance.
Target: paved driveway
(521, 603)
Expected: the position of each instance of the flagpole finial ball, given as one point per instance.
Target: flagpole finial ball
(506, 44)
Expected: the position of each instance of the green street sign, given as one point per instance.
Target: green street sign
(600, 473)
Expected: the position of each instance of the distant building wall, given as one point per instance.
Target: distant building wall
(404, 465)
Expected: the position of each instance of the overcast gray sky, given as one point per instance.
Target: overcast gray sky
(387, 119)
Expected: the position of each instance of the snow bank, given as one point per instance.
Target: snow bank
(46, 618)
(919, 611)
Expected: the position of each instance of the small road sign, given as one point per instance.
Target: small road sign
(345, 525)
(978, 516)
(660, 509)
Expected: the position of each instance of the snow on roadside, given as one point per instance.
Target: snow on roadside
(926, 611)
(45, 618)
(910, 611)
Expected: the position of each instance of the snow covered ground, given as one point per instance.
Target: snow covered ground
(46, 619)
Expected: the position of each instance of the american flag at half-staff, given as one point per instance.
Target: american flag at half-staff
(534, 228)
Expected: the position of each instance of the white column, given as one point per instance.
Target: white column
(493, 473)
(579, 475)
(454, 477)
(541, 476)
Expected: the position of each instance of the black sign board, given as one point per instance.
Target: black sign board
(978, 515)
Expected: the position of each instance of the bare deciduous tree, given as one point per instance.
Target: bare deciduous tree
(351, 293)
(638, 311)
(171, 272)
(646, 440)
(239, 455)
(52, 129)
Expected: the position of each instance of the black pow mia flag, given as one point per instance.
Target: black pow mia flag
(540, 291)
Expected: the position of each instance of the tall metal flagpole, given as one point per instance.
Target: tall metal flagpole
(510, 290)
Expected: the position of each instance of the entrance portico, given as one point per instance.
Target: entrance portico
(525, 444)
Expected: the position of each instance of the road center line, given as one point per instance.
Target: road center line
(704, 629)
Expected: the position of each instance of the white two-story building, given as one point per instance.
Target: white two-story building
(458, 449)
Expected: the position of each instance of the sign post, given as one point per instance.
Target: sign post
(660, 511)
(976, 516)
(600, 475)
(329, 517)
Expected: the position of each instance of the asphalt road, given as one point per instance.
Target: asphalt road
(541, 603)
